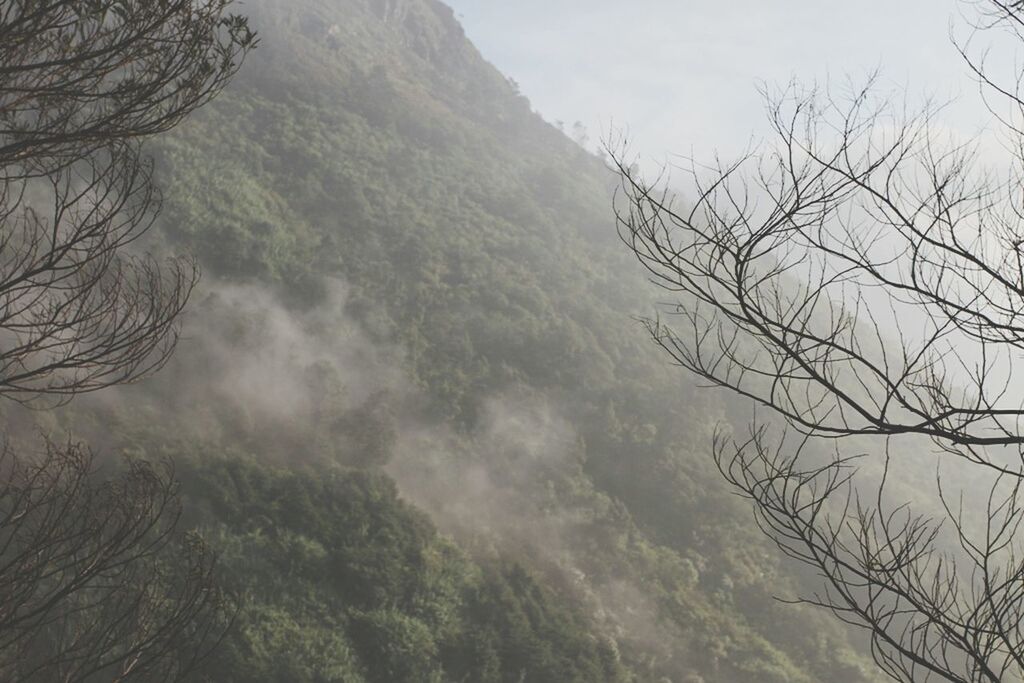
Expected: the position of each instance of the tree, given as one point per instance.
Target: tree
(88, 591)
(864, 280)
(95, 582)
(82, 83)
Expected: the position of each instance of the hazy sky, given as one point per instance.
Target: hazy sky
(682, 75)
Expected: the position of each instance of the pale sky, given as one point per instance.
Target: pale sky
(682, 75)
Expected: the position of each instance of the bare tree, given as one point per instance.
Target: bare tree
(81, 84)
(78, 75)
(864, 278)
(96, 584)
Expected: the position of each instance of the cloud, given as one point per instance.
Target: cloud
(514, 487)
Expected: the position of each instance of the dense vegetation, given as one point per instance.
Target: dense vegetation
(416, 314)
(354, 585)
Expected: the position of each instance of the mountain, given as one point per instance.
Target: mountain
(411, 409)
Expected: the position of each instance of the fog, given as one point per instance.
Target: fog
(307, 385)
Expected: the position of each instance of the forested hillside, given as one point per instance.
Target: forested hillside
(411, 407)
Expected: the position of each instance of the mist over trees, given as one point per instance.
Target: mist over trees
(529, 496)
(862, 278)
(96, 582)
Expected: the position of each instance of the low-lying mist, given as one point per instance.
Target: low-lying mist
(311, 387)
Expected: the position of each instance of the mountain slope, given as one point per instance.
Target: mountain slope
(413, 281)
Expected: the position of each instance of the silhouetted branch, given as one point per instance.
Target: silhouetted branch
(863, 276)
(95, 583)
(81, 83)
